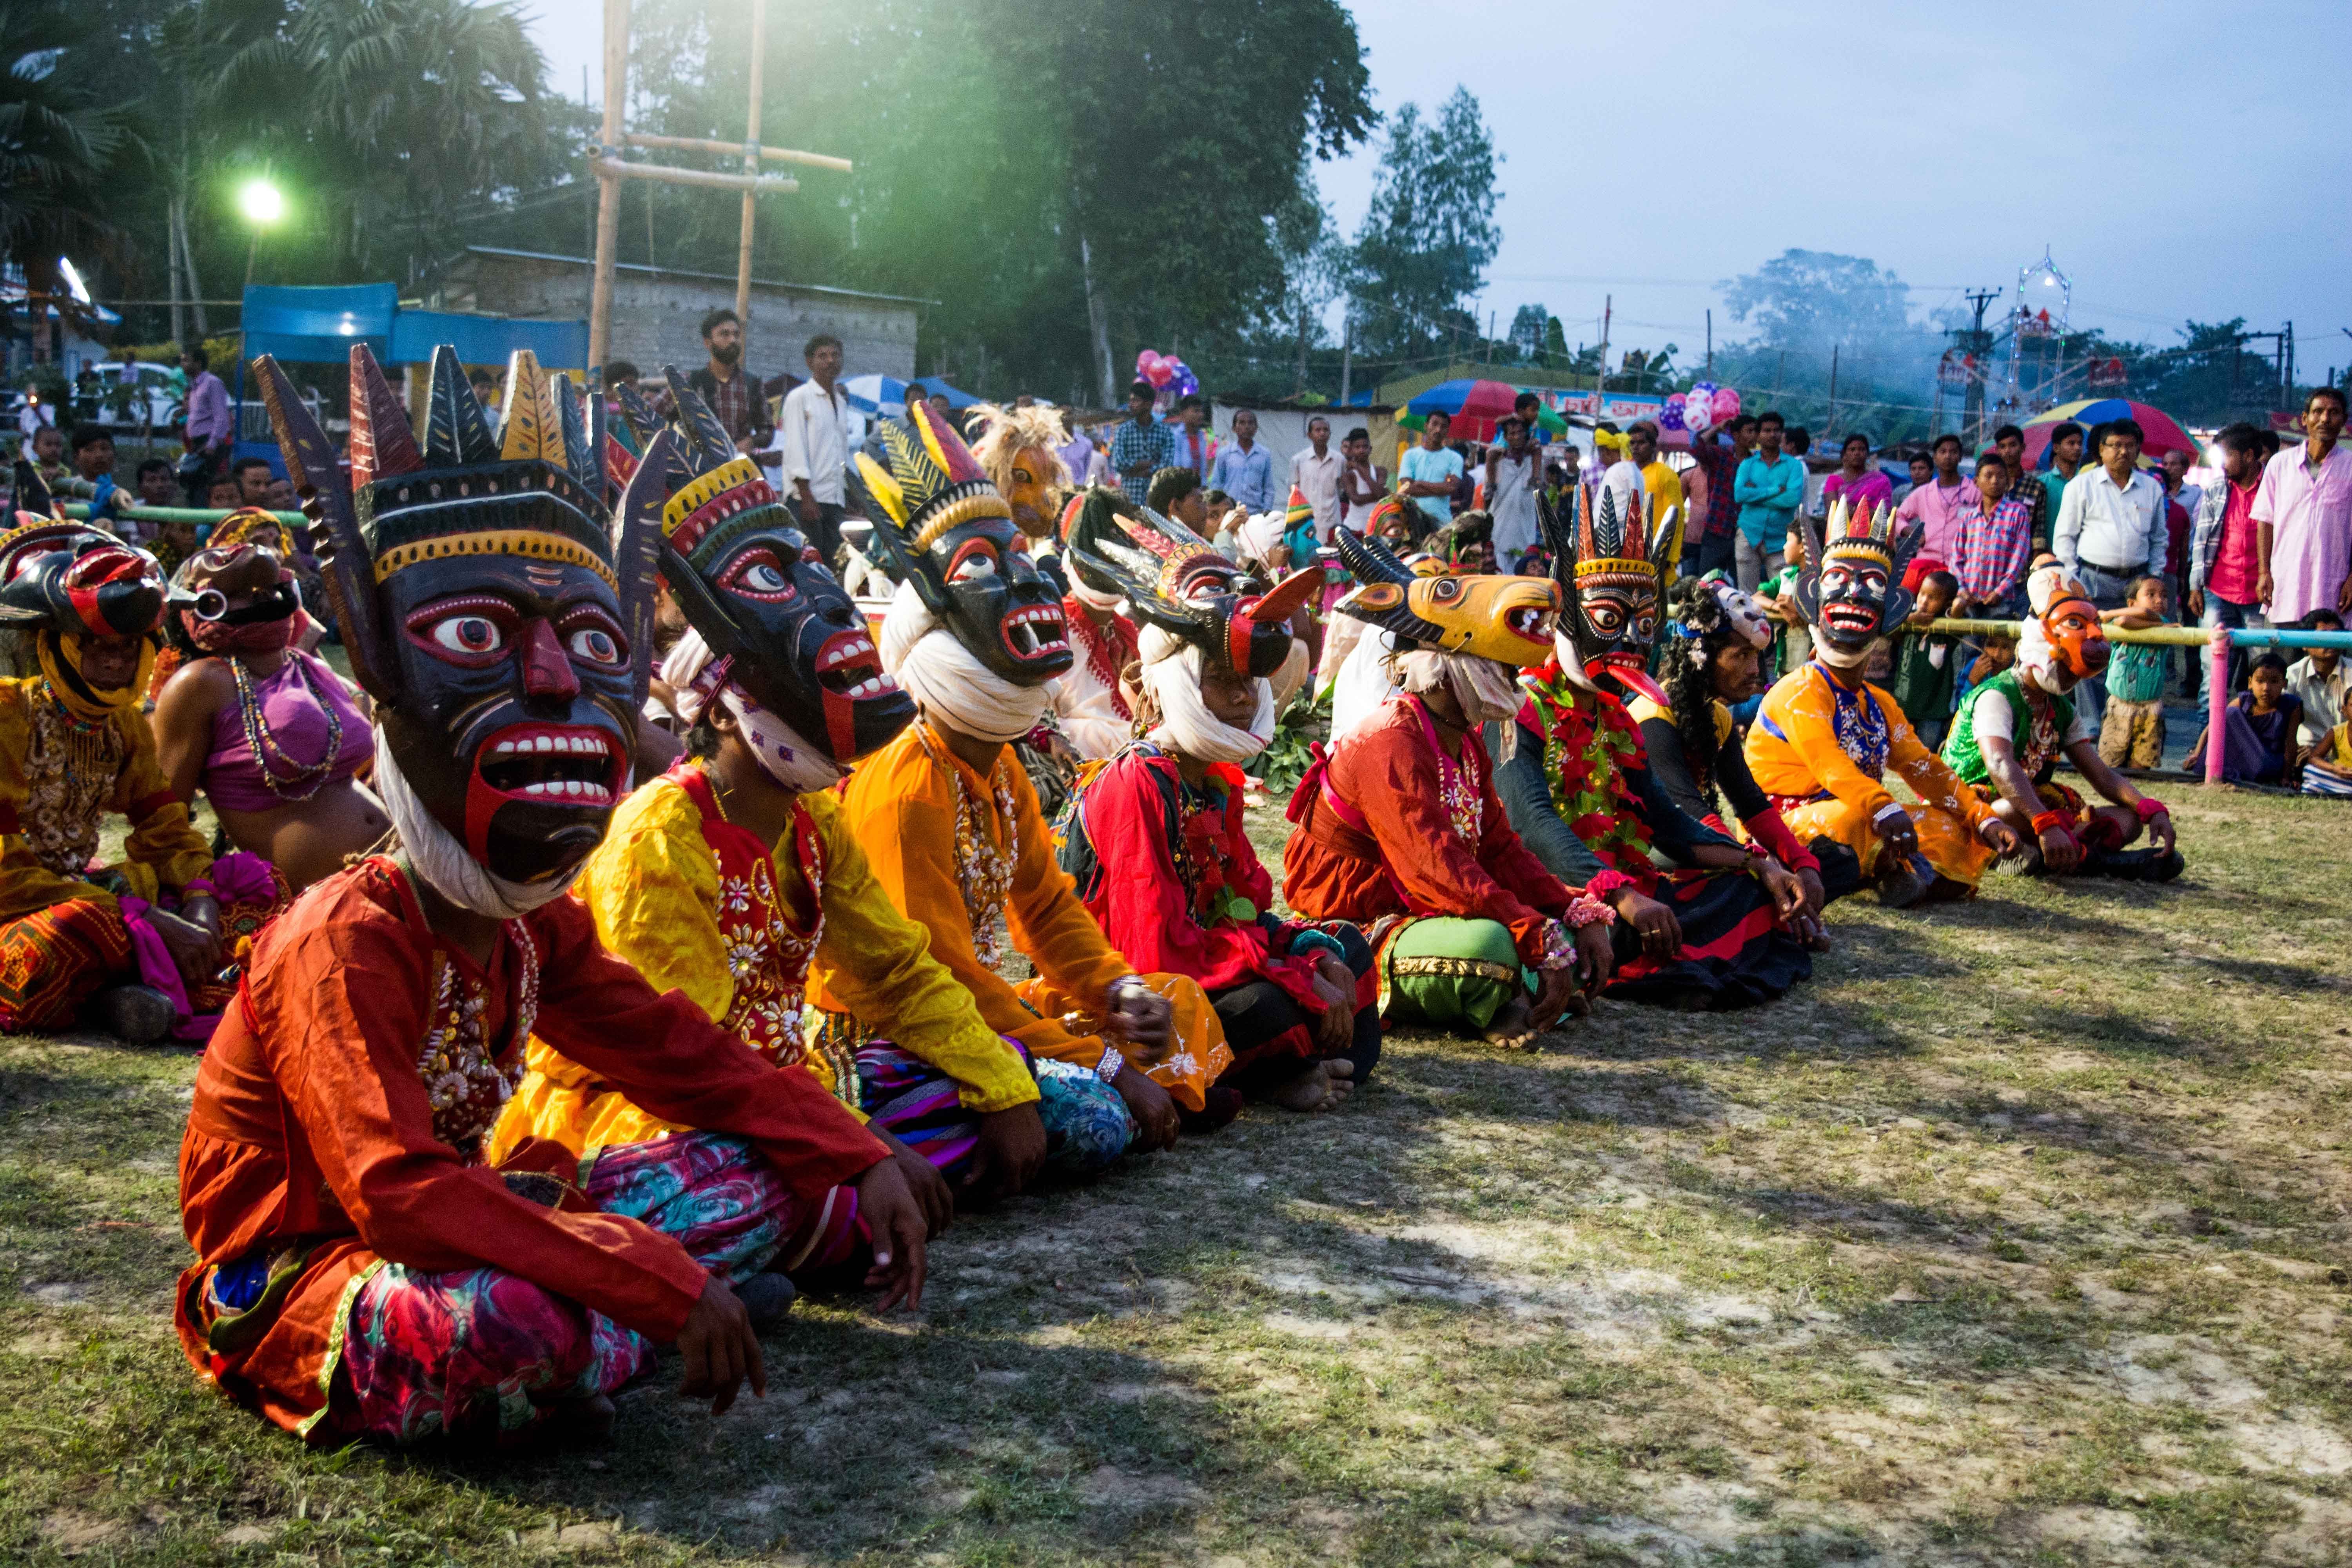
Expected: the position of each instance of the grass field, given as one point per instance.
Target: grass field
(2019, 1235)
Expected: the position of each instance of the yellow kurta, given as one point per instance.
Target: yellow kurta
(653, 888)
(1795, 753)
(902, 806)
(50, 818)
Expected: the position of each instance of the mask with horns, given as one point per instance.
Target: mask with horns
(1508, 619)
(1609, 569)
(1172, 579)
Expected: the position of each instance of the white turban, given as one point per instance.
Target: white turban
(1487, 690)
(695, 679)
(948, 678)
(1171, 675)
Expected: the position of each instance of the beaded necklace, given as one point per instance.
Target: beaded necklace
(984, 864)
(70, 767)
(468, 1080)
(300, 781)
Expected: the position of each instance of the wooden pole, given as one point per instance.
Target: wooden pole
(608, 193)
(706, 145)
(750, 172)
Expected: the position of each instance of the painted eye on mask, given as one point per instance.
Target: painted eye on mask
(474, 636)
(974, 562)
(596, 645)
(1607, 619)
(760, 575)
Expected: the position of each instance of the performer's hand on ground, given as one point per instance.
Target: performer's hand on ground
(196, 950)
(2061, 851)
(897, 1224)
(2160, 835)
(1335, 987)
(1154, 1112)
(1787, 893)
(1010, 1150)
(1555, 989)
(923, 1180)
(1816, 897)
(1898, 833)
(720, 1348)
(1596, 959)
(1141, 1019)
(1661, 933)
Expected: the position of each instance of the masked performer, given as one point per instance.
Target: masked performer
(272, 735)
(2011, 730)
(1722, 929)
(1826, 737)
(1397, 827)
(1019, 452)
(144, 939)
(1090, 708)
(950, 822)
(1155, 840)
(1717, 635)
(724, 878)
(360, 1270)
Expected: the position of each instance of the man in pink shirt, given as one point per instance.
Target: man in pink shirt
(1941, 505)
(2302, 518)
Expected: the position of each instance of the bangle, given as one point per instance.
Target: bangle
(1584, 909)
(2149, 808)
(1559, 948)
(1111, 1066)
(1607, 882)
(2046, 820)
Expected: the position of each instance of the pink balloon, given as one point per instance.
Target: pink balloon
(1145, 360)
(1158, 373)
(1725, 405)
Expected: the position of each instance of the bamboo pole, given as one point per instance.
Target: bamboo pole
(760, 184)
(706, 145)
(751, 175)
(79, 511)
(608, 191)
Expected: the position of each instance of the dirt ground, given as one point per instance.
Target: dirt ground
(2017, 1235)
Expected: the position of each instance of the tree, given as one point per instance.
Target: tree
(60, 142)
(1812, 298)
(1431, 231)
(1530, 325)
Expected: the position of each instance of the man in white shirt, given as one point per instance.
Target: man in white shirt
(1514, 476)
(815, 442)
(1315, 474)
(2110, 531)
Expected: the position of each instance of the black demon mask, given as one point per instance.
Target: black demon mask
(1172, 579)
(1852, 587)
(486, 603)
(942, 526)
(759, 593)
(1607, 568)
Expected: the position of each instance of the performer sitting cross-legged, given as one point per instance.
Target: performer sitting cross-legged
(1825, 738)
(1155, 837)
(726, 877)
(360, 1271)
(271, 735)
(951, 823)
(2011, 731)
(1722, 928)
(143, 942)
(1398, 828)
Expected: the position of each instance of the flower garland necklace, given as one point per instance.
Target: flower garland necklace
(1589, 740)
(300, 780)
(984, 866)
(467, 1079)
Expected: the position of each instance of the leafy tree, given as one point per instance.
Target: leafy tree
(62, 140)
(1530, 326)
(1431, 231)
(1811, 300)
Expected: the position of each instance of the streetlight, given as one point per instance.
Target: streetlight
(263, 205)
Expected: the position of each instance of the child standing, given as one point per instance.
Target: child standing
(1928, 664)
(2132, 733)
(1981, 663)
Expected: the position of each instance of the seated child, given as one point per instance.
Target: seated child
(2259, 745)
(1928, 664)
(2132, 734)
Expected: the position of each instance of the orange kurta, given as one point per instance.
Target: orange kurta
(902, 806)
(313, 1128)
(1802, 751)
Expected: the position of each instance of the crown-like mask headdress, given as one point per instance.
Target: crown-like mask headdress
(1173, 579)
(1863, 537)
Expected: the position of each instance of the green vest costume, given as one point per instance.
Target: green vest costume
(2040, 729)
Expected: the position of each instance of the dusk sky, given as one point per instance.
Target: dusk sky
(2179, 159)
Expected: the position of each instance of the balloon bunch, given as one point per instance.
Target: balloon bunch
(1166, 374)
(1704, 404)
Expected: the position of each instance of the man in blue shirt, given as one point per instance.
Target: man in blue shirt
(1142, 446)
(1428, 470)
(1769, 487)
(1244, 470)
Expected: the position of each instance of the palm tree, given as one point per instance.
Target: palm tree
(407, 109)
(59, 140)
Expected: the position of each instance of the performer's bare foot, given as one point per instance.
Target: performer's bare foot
(575, 1423)
(1320, 1086)
(1510, 1027)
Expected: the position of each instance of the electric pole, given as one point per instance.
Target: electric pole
(1980, 349)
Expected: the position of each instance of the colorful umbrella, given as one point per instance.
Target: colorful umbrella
(2163, 432)
(1474, 407)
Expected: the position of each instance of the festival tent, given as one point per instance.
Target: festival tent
(886, 395)
(2163, 432)
(1474, 407)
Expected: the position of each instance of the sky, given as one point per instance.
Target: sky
(1649, 156)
